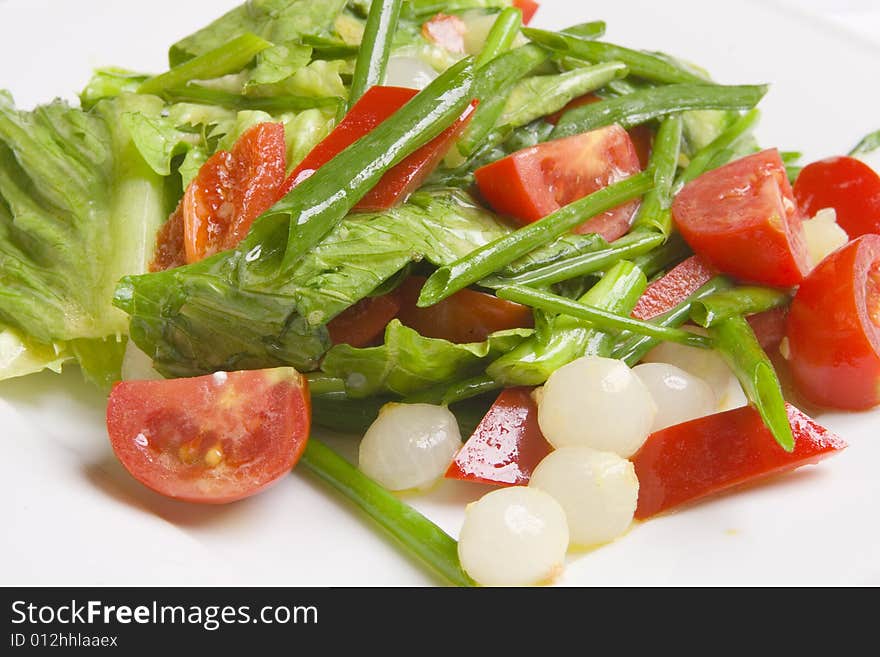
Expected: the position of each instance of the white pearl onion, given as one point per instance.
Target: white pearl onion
(679, 395)
(409, 72)
(599, 403)
(597, 490)
(513, 537)
(409, 445)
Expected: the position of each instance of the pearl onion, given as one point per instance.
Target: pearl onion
(679, 396)
(705, 364)
(597, 490)
(409, 72)
(137, 366)
(513, 537)
(409, 445)
(823, 235)
(598, 403)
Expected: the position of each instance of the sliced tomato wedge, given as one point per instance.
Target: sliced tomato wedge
(742, 219)
(528, 9)
(364, 322)
(211, 439)
(232, 189)
(466, 316)
(377, 105)
(675, 286)
(535, 182)
(506, 446)
(846, 184)
(834, 329)
(446, 31)
(686, 462)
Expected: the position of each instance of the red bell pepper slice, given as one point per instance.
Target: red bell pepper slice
(374, 107)
(506, 446)
(678, 284)
(528, 9)
(689, 461)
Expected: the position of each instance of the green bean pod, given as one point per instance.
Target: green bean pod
(654, 212)
(708, 157)
(193, 93)
(501, 36)
(746, 300)
(375, 47)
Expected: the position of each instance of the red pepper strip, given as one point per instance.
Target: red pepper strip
(688, 461)
(528, 9)
(506, 446)
(678, 284)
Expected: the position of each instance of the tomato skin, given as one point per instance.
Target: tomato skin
(846, 184)
(535, 182)
(506, 446)
(232, 189)
(769, 327)
(166, 432)
(685, 462)
(528, 9)
(363, 323)
(742, 219)
(466, 316)
(446, 31)
(834, 329)
(675, 286)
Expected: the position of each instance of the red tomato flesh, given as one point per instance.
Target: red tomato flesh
(535, 182)
(211, 439)
(446, 31)
(377, 105)
(506, 446)
(686, 462)
(528, 9)
(675, 286)
(769, 327)
(363, 324)
(232, 189)
(834, 329)
(466, 316)
(742, 219)
(846, 184)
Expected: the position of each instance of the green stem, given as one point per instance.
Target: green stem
(736, 342)
(654, 212)
(746, 300)
(375, 49)
(708, 157)
(421, 537)
(495, 255)
(655, 103)
(501, 36)
(657, 260)
(229, 58)
(591, 30)
(192, 93)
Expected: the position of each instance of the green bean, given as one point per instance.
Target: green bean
(746, 300)
(654, 212)
(736, 342)
(868, 144)
(502, 251)
(640, 64)
(318, 204)
(421, 537)
(705, 159)
(375, 48)
(229, 58)
(568, 337)
(591, 30)
(327, 48)
(601, 319)
(654, 103)
(671, 253)
(455, 393)
(501, 36)
(632, 349)
(628, 246)
(492, 88)
(192, 93)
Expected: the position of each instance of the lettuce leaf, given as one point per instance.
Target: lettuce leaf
(20, 355)
(203, 317)
(408, 363)
(79, 209)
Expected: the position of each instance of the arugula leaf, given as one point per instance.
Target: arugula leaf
(408, 363)
(203, 318)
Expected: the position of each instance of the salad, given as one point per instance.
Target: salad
(456, 236)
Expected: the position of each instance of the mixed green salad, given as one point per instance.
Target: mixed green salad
(421, 221)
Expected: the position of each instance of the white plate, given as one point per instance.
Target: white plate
(72, 515)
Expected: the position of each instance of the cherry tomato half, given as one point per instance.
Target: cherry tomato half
(535, 182)
(211, 439)
(671, 289)
(742, 219)
(364, 322)
(846, 184)
(834, 328)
